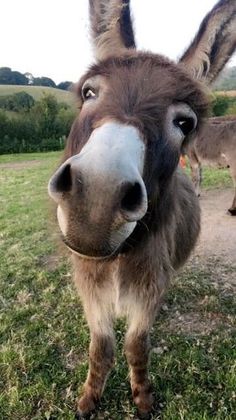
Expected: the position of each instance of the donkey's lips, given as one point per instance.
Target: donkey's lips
(90, 256)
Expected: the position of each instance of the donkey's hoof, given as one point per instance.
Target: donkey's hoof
(85, 407)
(142, 415)
(143, 399)
(232, 211)
(80, 416)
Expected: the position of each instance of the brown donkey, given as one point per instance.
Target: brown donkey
(216, 144)
(129, 216)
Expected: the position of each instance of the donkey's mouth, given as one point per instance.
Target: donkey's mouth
(91, 254)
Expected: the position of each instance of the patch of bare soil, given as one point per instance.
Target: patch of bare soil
(20, 165)
(216, 254)
(218, 232)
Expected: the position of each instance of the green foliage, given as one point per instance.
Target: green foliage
(64, 85)
(38, 91)
(223, 105)
(220, 105)
(20, 101)
(232, 106)
(44, 127)
(43, 81)
(9, 77)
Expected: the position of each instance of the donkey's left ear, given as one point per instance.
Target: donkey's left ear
(214, 43)
(111, 26)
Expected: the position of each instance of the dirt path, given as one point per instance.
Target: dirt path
(218, 235)
(215, 255)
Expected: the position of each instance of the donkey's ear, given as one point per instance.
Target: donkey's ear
(111, 25)
(214, 43)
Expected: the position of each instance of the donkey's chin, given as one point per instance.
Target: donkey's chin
(110, 248)
(90, 253)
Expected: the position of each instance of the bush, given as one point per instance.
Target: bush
(18, 102)
(220, 105)
(44, 128)
(23, 101)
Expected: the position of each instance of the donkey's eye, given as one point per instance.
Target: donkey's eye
(181, 120)
(186, 124)
(88, 93)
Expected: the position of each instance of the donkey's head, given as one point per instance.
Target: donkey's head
(136, 112)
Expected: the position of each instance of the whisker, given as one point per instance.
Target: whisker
(145, 225)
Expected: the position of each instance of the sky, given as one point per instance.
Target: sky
(51, 37)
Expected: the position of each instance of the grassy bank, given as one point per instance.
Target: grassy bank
(38, 91)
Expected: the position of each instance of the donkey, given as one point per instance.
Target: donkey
(128, 215)
(216, 144)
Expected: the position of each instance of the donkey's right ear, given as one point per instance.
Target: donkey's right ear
(111, 27)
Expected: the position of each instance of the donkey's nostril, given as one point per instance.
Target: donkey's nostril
(132, 198)
(63, 182)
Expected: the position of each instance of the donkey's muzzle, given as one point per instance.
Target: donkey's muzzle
(101, 190)
(128, 198)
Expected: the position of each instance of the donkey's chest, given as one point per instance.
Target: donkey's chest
(130, 298)
(121, 297)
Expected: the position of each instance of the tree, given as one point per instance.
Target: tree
(19, 78)
(5, 75)
(65, 85)
(29, 77)
(9, 77)
(44, 81)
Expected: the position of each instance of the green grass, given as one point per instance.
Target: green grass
(215, 178)
(43, 334)
(38, 91)
(54, 157)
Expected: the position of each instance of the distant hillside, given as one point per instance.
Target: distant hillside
(227, 79)
(13, 77)
(38, 91)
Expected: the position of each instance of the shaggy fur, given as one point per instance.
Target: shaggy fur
(214, 43)
(111, 26)
(137, 89)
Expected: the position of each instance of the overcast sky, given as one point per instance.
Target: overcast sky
(51, 37)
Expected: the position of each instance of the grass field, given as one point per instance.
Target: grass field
(38, 91)
(44, 338)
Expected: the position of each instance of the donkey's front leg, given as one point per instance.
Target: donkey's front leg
(101, 355)
(137, 349)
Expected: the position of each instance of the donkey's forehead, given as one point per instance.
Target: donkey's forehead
(136, 62)
(153, 75)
